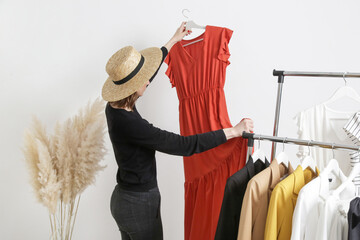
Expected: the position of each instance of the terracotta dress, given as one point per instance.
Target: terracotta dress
(198, 73)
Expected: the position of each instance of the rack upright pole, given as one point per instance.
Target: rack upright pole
(277, 113)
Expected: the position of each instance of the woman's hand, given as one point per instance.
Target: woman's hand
(179, 34)
(246, 124)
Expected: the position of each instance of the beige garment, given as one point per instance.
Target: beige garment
(256, 201)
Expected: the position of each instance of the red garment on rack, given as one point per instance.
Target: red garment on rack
(198, 73)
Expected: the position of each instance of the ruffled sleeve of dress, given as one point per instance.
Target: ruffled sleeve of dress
(169, 71)
(224, 52)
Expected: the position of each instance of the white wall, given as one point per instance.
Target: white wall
(52, 61)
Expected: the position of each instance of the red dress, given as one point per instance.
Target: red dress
(198, 73)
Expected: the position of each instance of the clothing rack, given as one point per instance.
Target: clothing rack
(281, 77)
(252, 136)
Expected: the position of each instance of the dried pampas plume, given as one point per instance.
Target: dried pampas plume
(37, 152)
(49, 190)
(62, 165)
(31, 154)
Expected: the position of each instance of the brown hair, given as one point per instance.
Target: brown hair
(128, 102)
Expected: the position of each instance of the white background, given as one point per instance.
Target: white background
(52, 61)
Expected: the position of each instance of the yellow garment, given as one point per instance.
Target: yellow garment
(283, 201)
(256, 201)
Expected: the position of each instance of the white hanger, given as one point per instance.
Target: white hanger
(190, 24)
(308, 161)
(344, 91)
(354, 172)
(283, 157)
(333, 166)
(331, 174)
(258, 154)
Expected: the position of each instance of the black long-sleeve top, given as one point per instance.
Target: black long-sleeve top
(135, 141)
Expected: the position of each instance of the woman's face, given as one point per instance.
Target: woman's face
(141, 91)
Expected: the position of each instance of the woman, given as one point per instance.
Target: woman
(135, 202)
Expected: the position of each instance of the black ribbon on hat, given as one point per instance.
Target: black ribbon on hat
(132, 74)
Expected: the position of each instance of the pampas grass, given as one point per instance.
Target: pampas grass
(63, 165)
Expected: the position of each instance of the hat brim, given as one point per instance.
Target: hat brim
(112, 92)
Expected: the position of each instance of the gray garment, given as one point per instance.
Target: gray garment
(137, 214)
(354, 219)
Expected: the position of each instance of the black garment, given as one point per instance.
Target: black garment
(135, 140)
(354, 219)
(235, 188)
(137, 214)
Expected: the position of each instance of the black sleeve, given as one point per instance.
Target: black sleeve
(164, 53)
(143, 133)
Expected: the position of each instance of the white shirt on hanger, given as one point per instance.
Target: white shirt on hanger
(321, 123)
(339, 227)
(309, 203)
(332, 210)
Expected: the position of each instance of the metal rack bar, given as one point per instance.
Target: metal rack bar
(281, 76)
(316, 74)
(253, 136)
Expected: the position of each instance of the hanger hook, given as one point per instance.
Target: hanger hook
(309, 146)
(333, 150)
(184, 13)
(284, 143)
(345, 78)
(259, 142)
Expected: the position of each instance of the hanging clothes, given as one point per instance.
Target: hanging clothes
(235, 188)
(283, 201)
(332, 209)
(306, 212)
(321, 123)
(320, 212)
(256, 201)
(339, 225)
(354, 219)
(198, 73)
(352, 128)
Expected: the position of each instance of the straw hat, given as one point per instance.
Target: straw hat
(128, 71)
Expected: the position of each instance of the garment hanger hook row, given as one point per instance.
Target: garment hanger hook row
(345, 78)
(184, 13)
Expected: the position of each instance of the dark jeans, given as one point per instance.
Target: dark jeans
(137, 214)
